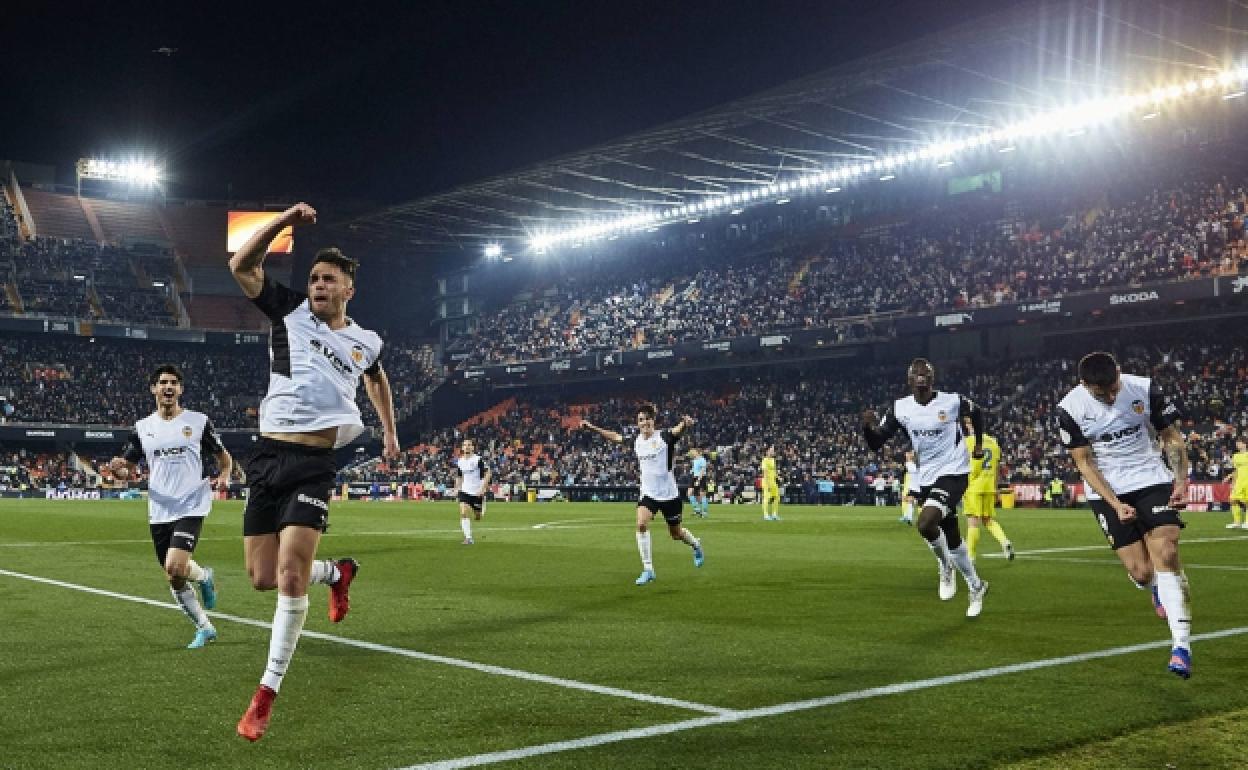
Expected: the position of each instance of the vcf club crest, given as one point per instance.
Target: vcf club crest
(186, 431)
(1137, 406)
(357, 354)
(942, 416)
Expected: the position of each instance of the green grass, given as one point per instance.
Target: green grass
(828, 601)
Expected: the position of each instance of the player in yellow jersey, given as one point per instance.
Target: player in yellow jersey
(771, 487)
(1239, 486)
(981, 493)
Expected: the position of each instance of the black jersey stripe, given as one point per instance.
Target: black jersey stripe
(279, 346)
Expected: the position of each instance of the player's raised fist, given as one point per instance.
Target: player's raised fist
(300, 214)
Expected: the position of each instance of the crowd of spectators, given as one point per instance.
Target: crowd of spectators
(102, 381)
(812, 417)
(938, 259)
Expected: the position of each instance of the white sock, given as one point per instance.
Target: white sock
(907, 511)
(196, 574)
(465, 524)
(1172, 588)
(962, 560)
(325, 572)
(287, 625)
(643, 547)
(189, 603)
(687, 537)
(941, 548)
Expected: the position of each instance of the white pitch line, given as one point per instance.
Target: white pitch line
(485, 668)
(1103, 547)
(1116, 563)
(391, 533)
(639, 733)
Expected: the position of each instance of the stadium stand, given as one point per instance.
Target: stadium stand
(941, 259)
(812, 415)
(62, 380)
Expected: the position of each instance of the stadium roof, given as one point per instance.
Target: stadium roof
(977, 76)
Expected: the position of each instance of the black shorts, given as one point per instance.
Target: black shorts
(945, 493)
(669, 508)
(1152, 510)
(698, 486)
(182, 534)
(473, 501)
(287, 484)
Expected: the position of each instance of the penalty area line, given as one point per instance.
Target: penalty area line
(619, 736)
(485, 668)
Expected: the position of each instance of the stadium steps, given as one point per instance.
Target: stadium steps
(198, 234)
(97, 231)
(15, 297)
(93, 299)
(123, 222)
(799, 275)
(209, 311)
(58, 216)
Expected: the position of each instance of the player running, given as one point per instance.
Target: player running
(655, 451)
(1104, 422)
(931, 418)
(176, 442)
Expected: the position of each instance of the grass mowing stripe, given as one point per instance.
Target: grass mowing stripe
(485, 668)
(639, 733)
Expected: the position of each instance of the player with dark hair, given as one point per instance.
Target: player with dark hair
(656, 450)
(472, 480)
(1104, 422)
(317, 357)
(932, 419)
(176, 443)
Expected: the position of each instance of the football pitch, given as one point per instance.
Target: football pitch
(816, 641)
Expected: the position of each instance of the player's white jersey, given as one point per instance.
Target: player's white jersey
(314, 370)
(175, 450)
(912, 475)
(1125, 451)
(655, 455)
(472, 471)
(935, 434)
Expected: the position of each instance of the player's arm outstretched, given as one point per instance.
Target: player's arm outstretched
(609, 435)
(247, 264)
(377, 385)
(877, 432)
(679, 428)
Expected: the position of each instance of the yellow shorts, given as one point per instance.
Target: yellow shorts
(771, 491)
(979, 503)
(1239, 494)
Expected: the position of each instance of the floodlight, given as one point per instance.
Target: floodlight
(493, 251)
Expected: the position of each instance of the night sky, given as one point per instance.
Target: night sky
(364, 101)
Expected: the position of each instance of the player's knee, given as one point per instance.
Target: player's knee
(1141, 573)
(176, 582)
(262, 579)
